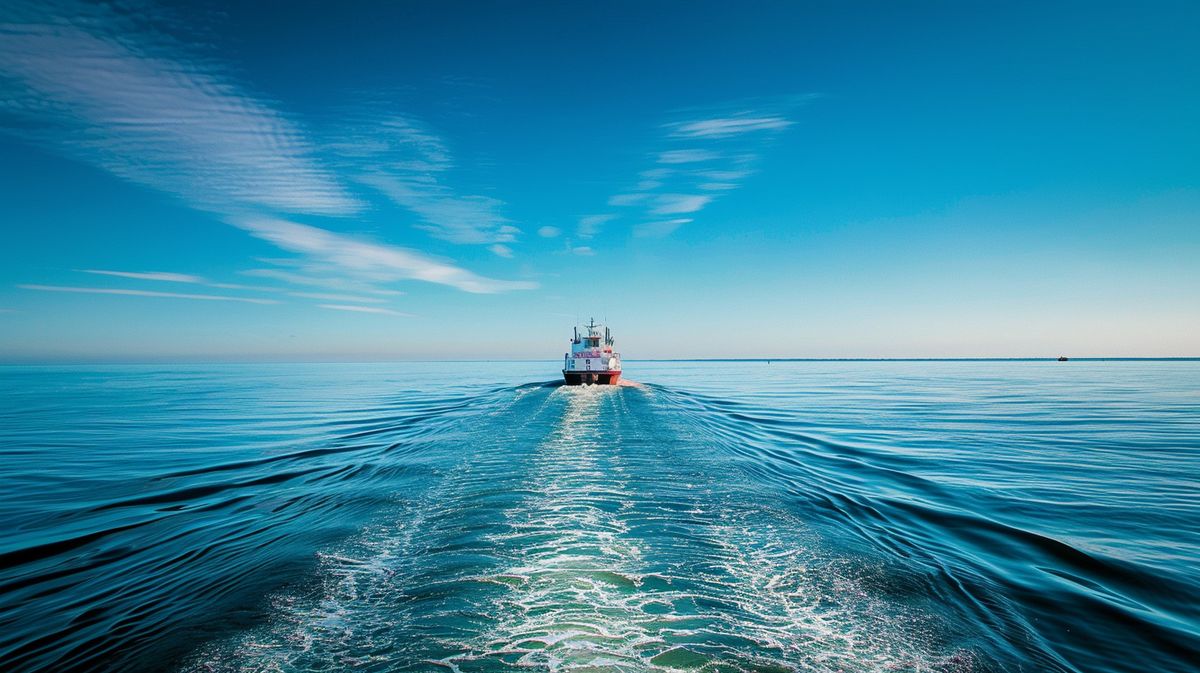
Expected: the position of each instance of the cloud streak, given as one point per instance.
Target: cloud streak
(370, 261)
(725, 127)
(172, 277)
(658, 229)
(702, 158)
(144, 293)
(333, 296)
(671, 204)
(408, 163)
(688, 156)
(164, 276)
(588, 226)
(445, 215)
(111, 91)
(137, 110)
(316, 276)
(364, 309)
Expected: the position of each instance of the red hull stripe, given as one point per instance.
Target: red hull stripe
(599, 377)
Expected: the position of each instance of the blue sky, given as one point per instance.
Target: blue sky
(441, 180)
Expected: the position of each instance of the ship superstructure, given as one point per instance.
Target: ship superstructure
(592, 359)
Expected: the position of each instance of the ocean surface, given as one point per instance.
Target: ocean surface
(714, 516)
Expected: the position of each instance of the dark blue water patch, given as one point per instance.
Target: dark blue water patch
(159, 505)
(811, 516)
(1051, 504)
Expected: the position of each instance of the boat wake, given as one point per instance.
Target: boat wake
(612, 543)
(810, 517)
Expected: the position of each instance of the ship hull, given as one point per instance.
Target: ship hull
(601, 378)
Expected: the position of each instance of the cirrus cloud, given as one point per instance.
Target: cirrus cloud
(140, 110)
(368, 260)
(364, 309)
(165, 276)
(724, 127)
(670, 204)
(94, 84)
(143, 293)
(717, 152)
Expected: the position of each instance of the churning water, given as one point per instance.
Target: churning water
(733, 516)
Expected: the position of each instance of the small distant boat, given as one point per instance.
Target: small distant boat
(1062, 358)
(592, 359)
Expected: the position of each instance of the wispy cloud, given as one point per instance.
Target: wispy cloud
(548, 231)
(588, 226)
(688, 156)
(729, 175)
(241, 286)
(670, 204)
(446, 215)
(370, 261)
(409, 164)
(315, 276)
(107, 88)
(174, 277)
(122, 98)
(627, 199)
(658, 229)
(583, 250)
(724, 127)
(364, 309)
(165, 276)
(144, 293)
(707, 153)
(333, 296)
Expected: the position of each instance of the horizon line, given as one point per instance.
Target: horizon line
(168, 361)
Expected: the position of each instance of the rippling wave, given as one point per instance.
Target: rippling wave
(720, 517)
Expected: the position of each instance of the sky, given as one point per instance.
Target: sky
(429, 180)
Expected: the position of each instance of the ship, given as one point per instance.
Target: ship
(592, 359)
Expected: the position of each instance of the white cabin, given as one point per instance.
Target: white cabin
(592, 351)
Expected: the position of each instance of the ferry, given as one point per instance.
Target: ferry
(592, 359)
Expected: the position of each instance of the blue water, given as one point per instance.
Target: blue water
(731, 516)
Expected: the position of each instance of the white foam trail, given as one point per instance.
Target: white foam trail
(608, 552)
(577, 569)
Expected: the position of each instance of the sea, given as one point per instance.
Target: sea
(715, 516)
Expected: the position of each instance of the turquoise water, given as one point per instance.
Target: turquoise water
(729, 516)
